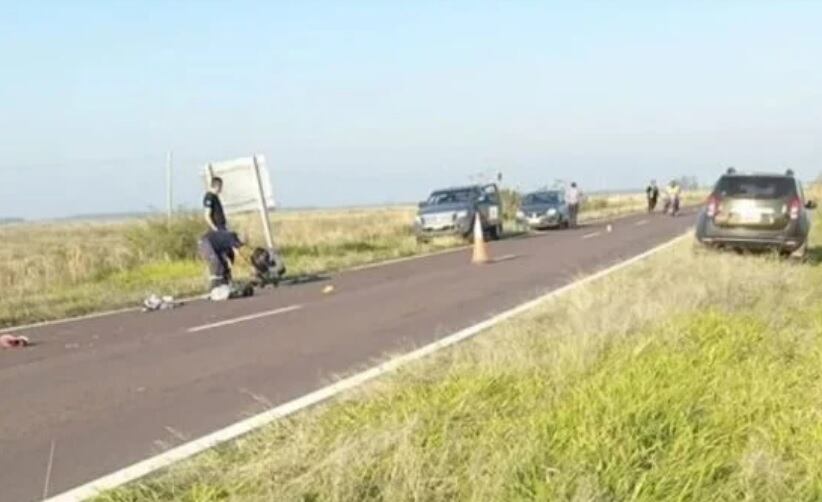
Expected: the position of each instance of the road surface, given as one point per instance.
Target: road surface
(103, 393)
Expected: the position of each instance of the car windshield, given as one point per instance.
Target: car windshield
(756, 187)
(541, 198)
(451, 197)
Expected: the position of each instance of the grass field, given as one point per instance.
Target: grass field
(50, 271)
(690, 376)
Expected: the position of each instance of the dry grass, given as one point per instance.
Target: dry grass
(50, 271)
(691, 376)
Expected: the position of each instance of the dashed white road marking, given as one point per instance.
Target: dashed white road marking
(593, 234)
(244, 318)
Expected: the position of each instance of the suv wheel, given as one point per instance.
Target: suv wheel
(801, 253)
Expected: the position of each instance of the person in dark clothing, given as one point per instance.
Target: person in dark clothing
(219, 248)
(214, 215)
(652, 193)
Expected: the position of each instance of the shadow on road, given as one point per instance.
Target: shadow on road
(303, 279)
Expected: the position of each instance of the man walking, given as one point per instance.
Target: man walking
(214, 215)
(573, 196)
(652, 193)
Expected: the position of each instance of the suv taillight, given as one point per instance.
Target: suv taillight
(794, 208)
(713, 206)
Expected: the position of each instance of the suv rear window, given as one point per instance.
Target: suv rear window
(756, 187)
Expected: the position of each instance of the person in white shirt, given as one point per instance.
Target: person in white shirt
(573, 197)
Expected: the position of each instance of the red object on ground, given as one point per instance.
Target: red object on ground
(11, 341)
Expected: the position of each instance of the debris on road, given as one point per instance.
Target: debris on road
(234, 290)
(220, 293)
(328, 289)
(609, 228)
(241, 290)
(13, 342)
(268, 267)
(154, 302)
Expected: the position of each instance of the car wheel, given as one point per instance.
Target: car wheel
(496, 232)
(700, 247)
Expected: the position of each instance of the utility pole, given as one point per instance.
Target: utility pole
(169, 187)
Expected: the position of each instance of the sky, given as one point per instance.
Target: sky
(370, 102)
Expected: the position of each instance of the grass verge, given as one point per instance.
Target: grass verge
(690, 376)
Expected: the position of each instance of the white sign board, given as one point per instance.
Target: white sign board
(241, 191)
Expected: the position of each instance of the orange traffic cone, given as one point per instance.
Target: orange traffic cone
(480, 249)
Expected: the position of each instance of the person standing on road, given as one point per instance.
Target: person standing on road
(573, 196)
(214, 215)
(672, 197)
(652, 193)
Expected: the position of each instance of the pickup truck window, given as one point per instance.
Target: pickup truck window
(451, 197)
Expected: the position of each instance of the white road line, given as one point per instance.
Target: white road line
(187, 450)
(47, 483)
(588, 236)
(244, 318)
(641, 222)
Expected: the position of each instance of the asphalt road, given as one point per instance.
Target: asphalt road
(110, 391)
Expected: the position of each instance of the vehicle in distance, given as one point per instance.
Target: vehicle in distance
(451, 211)
(756, 211)
(544, 209)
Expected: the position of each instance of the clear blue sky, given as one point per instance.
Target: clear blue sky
(368, 102)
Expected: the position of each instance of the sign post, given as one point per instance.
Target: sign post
(263, 206)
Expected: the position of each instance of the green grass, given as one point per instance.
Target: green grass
(690, 376)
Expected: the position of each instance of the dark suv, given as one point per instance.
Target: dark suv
(756, 211)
